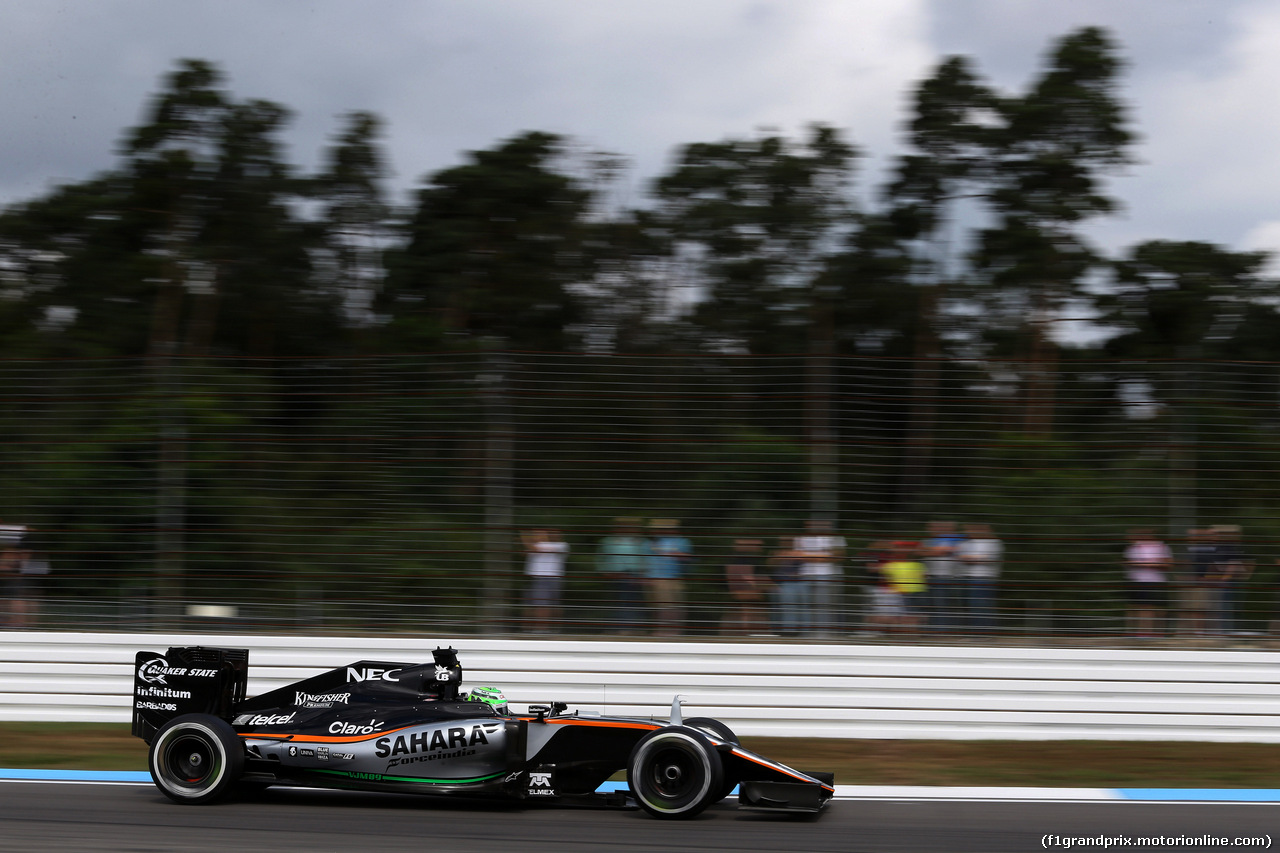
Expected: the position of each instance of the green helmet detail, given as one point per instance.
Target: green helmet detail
(490, 696)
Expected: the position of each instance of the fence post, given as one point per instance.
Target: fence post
(498, 513)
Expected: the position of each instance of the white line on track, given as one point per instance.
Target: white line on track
(922, 793)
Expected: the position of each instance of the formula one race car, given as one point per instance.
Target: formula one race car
(409, 728)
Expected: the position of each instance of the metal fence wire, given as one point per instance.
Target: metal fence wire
(808, 495)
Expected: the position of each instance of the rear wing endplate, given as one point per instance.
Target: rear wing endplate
(186, 680)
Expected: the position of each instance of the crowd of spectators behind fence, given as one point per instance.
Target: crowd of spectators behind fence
(947, 582)
(798, 588)
(811, 585)
(1205, 602)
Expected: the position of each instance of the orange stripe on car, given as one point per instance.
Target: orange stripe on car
(782, 768)
(321, 738)
(605, 724)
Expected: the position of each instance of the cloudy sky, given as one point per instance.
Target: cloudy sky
(639, 77)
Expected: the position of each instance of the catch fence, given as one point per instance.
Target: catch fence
(392, 492)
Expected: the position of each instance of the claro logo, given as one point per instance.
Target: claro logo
(341, 728)
(370, 673)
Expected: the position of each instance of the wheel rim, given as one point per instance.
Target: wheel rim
(671, 773)
(674, 774)
(189, 762)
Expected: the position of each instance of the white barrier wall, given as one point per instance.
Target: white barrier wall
(865, 691)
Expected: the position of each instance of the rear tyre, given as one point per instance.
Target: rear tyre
(675, 772)
(196, 758)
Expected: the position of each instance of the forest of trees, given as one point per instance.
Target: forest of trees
(203, 241)
(205, 311)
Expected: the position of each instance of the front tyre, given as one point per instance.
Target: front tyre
(720, 731)
(713, 727)
(196, 758)
(675, 772)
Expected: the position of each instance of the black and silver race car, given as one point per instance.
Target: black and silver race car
(410, 728)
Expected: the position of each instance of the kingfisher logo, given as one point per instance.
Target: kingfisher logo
(320, 700)
(156, 670)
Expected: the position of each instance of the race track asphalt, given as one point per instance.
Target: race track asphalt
(122, 817)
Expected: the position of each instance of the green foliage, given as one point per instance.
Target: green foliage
(1047, 155)
(758, 217)
(1065, 504)
(1184, 298)
(256, 318)
(492, 247)
(194, 245)
(951, 131)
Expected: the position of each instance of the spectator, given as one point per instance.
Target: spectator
(13, 592)
(1231, 568)
(790, 590)
(669, 556)
(906, 575)
(31, 575)
(821, 551)
(943, 575)
(748, 583)
(545, 555)
(885, 601)
(1202, 586)
(1147, 564)
(981, 555)
(623, 558)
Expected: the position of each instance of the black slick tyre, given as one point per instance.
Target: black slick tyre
(196, 758)
(719, 731)
(675, 772)
(713, 727)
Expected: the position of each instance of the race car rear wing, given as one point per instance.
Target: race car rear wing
(186, 680)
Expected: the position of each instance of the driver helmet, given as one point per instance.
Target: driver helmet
(490, 696)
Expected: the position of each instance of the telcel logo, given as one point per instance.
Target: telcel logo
(264, 720)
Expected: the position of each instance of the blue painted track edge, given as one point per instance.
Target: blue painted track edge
(1234, 795)
(75, 775)
(1150, 795)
